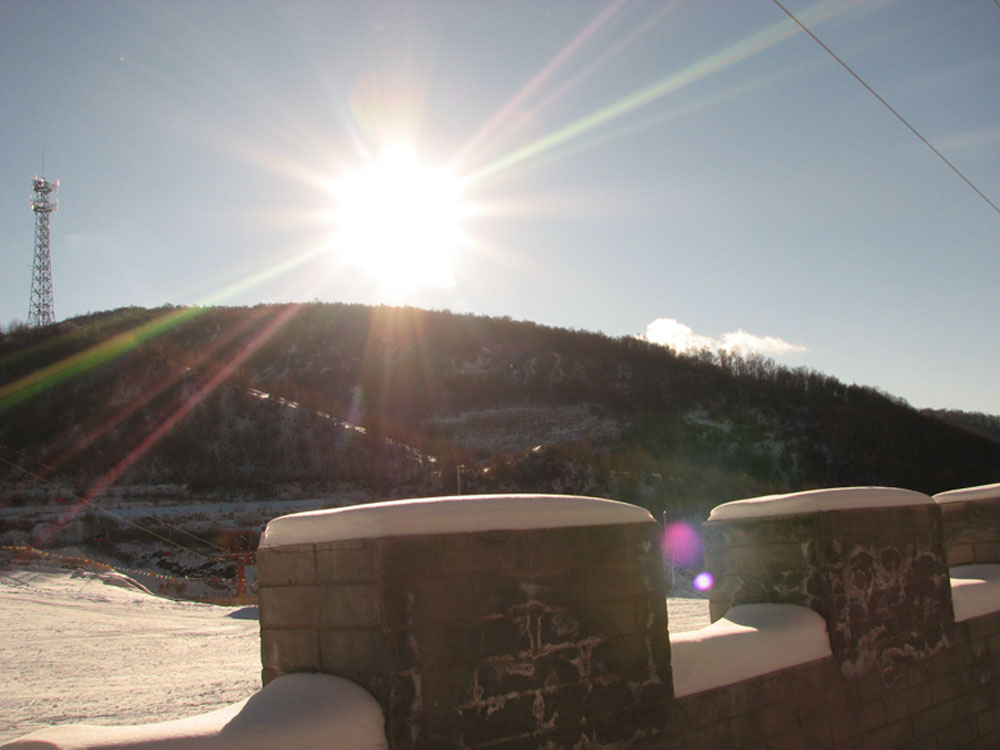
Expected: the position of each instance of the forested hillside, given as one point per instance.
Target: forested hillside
(331, 399)
(986, 424)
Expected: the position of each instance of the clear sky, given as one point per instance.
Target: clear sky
(701, 165)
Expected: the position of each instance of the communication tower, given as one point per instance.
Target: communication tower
(42, 203)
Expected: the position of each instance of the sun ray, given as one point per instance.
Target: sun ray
(504, 114)
(720, 60)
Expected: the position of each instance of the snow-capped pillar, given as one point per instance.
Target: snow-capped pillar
(480, 619)
(870, 560)
(971, 524)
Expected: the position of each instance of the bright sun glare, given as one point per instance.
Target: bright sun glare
(399, 220)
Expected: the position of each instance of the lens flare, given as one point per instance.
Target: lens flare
(681, 544)
(703, 581)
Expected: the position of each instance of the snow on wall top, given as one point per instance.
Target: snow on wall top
(811, 501)
(975, 590)
(751, 640)
(449, 515)
(982, 492)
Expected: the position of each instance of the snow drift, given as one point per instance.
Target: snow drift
(304, 711)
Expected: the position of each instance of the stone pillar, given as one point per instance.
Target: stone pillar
(869, 560)
(546, 634)
(971, 524)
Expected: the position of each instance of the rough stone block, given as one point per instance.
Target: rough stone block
(507, 595)
(960, 554)
(653, 578)
(349, 605)
(608, 544)
(896, 734)
(284, 651)
(555, 549)
(645, 541)
(562, 667)
(289, 607)
(502, 637)
(776, 718)
(286, 566)
(624, 655)
(780, 557)
(988, 723)
(716, 735)
(960, 734)
(986, 552)
(416, 602)
(934, 718)
(555, 629)
(345, 562)
(708, 707)
(518, 715)
(613, 619)
(500, 677)
(613, 581)
(433, 647)
(493, 551)
(908, 703)
(745, 731)
(416, 557)
(352, 652)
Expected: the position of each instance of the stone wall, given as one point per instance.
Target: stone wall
(972, 524)
(877, 576)
(540, 639)
(468, 640)
(945, 701)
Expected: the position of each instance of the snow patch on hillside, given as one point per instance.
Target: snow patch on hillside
(519, 428)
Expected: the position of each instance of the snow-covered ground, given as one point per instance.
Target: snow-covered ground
(88, 647)
(85, 647)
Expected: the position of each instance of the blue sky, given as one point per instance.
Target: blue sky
(702, 164)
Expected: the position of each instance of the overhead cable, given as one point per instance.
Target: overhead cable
(889, 107)
(121, 519)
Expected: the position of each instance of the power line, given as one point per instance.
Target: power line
(121, 519)
(886, 104)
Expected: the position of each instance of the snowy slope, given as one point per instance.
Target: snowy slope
(78, 649)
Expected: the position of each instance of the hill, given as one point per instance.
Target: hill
(985, 424)
(370, 403)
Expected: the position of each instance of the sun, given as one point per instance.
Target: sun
(399, 221)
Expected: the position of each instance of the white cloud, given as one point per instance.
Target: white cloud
(681, 338)
(748, 342)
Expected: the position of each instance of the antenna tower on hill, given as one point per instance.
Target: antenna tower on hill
(42, 203)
